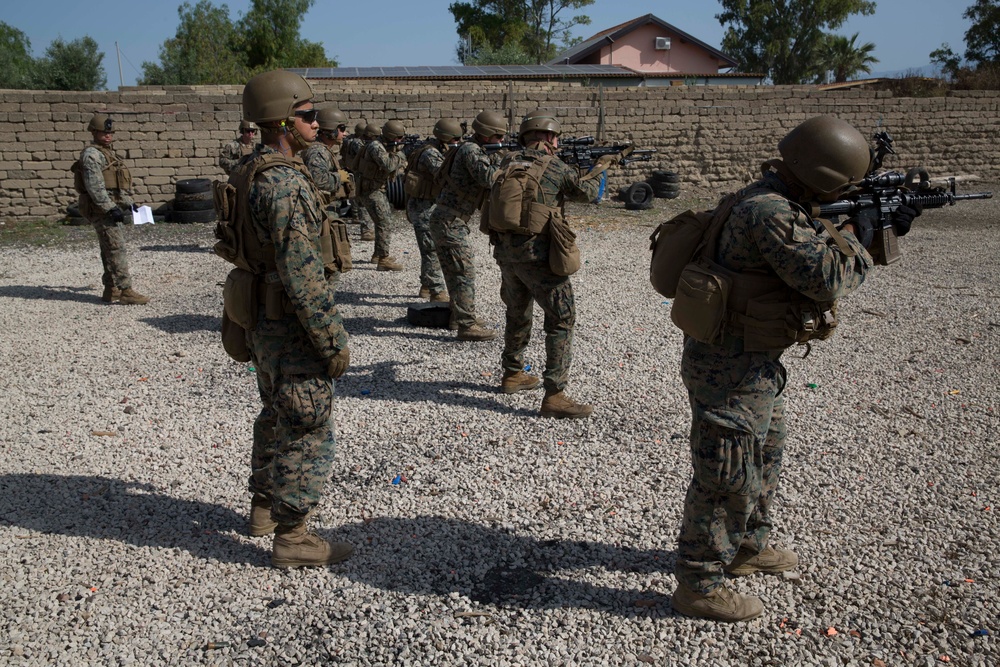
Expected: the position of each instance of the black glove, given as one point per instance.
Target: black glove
(117, 215)
(864, 231)
(135, 208)
(903, 217)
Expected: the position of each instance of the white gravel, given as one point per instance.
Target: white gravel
(513, 540)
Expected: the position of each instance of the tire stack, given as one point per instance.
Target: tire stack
(193, 201)
(637, 197)
(665, 184)
(395, 194)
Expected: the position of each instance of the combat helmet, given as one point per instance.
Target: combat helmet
(488, 123)
(371, 131)
(447, 129)
(539, 120)
(101, 122)
(359, 129)
(825, 154)
(248, 125)
(330, 119)
(273, 95)
(393, 130)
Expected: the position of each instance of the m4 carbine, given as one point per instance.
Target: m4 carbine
(583, 154)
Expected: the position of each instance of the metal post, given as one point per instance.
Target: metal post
(121, 79)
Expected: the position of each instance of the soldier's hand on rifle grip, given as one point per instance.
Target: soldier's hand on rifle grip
(903, 217)
(338, 363)
(117, 215)
(862, 229)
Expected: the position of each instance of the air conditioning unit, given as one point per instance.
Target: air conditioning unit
(662, 43)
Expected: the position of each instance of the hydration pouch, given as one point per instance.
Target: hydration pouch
(699, 307)
(239, 296)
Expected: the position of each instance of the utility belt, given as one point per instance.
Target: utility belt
(454, 213)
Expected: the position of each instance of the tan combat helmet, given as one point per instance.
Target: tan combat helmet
(330, 119)
(539, 120)
(393, 130)
(447, 130)
(488, 123)
(359, 129)
(372, 130)
(101, 122)
(248, 125)
(273, 95)
(825, 154)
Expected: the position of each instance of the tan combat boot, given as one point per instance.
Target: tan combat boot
(367, 235)
(476, 332)
(721, 604)
(515, 381)
(388, 264)
(424, 293)
(130, 297)
(768, 561)
(561, 406)
(261, 522)
(111, 293)
(295, 546)
(440, 297)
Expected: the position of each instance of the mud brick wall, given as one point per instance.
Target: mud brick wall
(715, 137)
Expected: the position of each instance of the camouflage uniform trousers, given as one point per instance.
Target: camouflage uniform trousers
(361, 214)
(418, 211)
(111, 239)
(293, 437)
(451, 236)
(737, 443)
(378, 208)
(522, 284)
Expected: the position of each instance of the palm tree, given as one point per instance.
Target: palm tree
(844, 58)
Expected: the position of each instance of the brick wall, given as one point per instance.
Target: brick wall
(713, 136)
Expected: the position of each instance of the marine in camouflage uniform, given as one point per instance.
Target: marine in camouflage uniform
(381, 159)
(299, 345)
(104, 185)
(526, 276)
(466, 179)
(424, 162)
(734, 385)
(350, 153)
(238, 148)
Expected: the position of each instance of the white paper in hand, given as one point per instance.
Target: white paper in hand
(144, 216)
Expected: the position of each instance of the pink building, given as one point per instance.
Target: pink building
(654, 49)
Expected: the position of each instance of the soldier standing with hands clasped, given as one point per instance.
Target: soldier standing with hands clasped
(522, 242)
(104, 184)
(783, 266)
(295, 334)
(238, 148)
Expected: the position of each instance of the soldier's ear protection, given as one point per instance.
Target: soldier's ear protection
(107, 125)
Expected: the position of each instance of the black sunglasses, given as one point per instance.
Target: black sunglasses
(246, 131)
(342, 128)
(307, 115)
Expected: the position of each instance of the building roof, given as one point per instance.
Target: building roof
(609, 36)
(502, 72)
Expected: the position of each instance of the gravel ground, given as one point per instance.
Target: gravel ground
(508, 539)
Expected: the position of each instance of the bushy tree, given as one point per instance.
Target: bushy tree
(75, 65)
(16, 63)
(982, 39)
(270, 37)
(782, 38)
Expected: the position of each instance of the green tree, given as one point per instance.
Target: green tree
(982, 39)
(202, 51)
(508, 54)
(270, 38)
(845, 59)
(947, 61)
(16, 64)
(782, 38)
(76, 65)
(517, 26)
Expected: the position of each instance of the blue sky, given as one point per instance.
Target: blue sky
(411, 32)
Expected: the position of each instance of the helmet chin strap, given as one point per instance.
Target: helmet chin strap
(296, 142)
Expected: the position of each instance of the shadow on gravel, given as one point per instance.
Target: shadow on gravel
(187, 247)
(381, 382)
(49, 292)
(187, 323)
(361, 299)
(374, 326)
(130, 512)
(436, 555)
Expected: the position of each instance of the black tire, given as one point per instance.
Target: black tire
(194, 205)
(431, 315)
(662, 191)
(77, 221)
(159, 218)
(193, 196)
(639, 193)
(73, 211)
(639, 206)
(662, 176)
(192, 185)
(394, 193)
(187, 217)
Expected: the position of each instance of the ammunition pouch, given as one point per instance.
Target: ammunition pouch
(347, 187)
(234, 339)
(699, 307)
(239, 298)
(564, 254)
(335, 246)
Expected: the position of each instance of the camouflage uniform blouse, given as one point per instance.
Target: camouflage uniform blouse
(471, 173)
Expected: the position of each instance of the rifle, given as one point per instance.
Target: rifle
(582, 153)
(408, 143)
(878, 195)
(502, 146)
